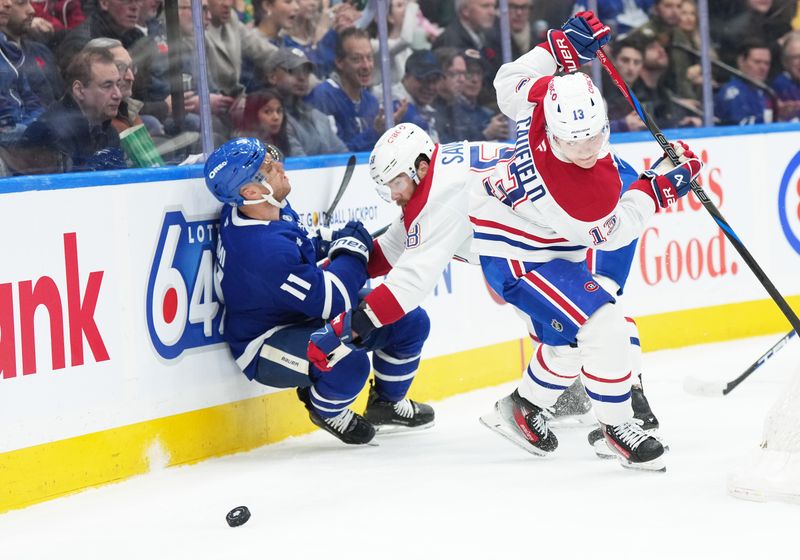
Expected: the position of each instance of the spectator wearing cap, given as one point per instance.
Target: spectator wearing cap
(468, 31)
(345, 95)
(309, 131)
(418, 89)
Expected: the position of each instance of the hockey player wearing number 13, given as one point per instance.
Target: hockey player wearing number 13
(534, 220)
(276, 296)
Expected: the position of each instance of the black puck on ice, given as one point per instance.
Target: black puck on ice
(238, 516)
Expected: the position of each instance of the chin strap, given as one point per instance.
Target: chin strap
(267, 197)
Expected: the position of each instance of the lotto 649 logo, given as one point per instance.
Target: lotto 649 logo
(789, 203)
(184, 308)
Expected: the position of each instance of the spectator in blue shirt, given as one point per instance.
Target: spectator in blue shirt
(346, 96)
(787, 83)
(738, 102)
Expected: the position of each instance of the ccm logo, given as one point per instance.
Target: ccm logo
(217, 169)
(566, 54)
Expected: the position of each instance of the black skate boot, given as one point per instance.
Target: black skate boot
(522, 423)
(572, 409)
(347, 425)
(401, 416)
(641, 408)
(635, 448)
(598, 442)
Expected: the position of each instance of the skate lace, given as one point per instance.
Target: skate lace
(404, 408)
(630, 434)
(540, 424)
(340, 421)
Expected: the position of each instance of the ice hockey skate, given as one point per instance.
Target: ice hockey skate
(635, 448)
(573, 409)
(347, 426)
(641, 408)
(397, 417)
(522, 423)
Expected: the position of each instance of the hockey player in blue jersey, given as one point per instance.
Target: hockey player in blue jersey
(276, 296)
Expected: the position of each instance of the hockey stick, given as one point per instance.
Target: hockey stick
(699, 192)
(720, 388)
(348, 173)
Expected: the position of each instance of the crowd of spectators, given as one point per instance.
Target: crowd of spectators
(80, 77)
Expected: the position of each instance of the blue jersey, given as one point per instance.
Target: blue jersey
(737, 102)
(270, 280)
(355, 121)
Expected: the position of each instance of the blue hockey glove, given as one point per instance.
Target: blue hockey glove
(578, 41)
(353, 239)
(666, 188)
(332, 342)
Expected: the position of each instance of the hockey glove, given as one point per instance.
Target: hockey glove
(323, 239)
(332, 342)
(668, 187)
(664, 164)
(578, 41)
(353, 239)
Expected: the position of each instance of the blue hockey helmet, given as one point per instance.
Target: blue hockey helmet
(235, 164)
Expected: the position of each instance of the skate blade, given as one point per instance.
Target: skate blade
(493, 421)
(656, 465)
(574, 421)
(398, 429)
(603, 451)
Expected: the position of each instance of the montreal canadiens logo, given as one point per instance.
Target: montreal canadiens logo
(591, 286)
(789, 203)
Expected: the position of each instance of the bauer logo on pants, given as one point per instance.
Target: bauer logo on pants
(789, 203)
(184, 309)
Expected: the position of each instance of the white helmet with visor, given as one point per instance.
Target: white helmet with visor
(396, 152)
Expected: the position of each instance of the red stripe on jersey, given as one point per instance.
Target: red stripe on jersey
(378, 265)
(564, 304)
(516, 268)
(540, 359)
(515, 231)
(605, 379)
(420, 196)
(630, 320)
(591, 261)
(384, 305)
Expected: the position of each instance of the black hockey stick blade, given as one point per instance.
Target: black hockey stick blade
(348, 174)
(737, 243)
(720, 388)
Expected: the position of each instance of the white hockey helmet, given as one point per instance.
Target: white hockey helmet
(575, 110)
(396, 152)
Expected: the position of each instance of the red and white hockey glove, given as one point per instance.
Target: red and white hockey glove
(674, 181)
(578, 41)
(328, 345)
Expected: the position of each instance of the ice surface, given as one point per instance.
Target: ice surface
(456, 491)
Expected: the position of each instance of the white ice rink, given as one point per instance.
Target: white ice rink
(456, 491)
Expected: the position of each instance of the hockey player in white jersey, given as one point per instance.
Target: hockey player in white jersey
(429, 181)
(534, 219)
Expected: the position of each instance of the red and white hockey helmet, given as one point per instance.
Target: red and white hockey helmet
(395, 153)
(575, 111)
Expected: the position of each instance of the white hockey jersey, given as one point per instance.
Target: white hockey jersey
(433, 229)
(535, 207)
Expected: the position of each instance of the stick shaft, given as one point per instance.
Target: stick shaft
(348, 174)
(700, 193)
